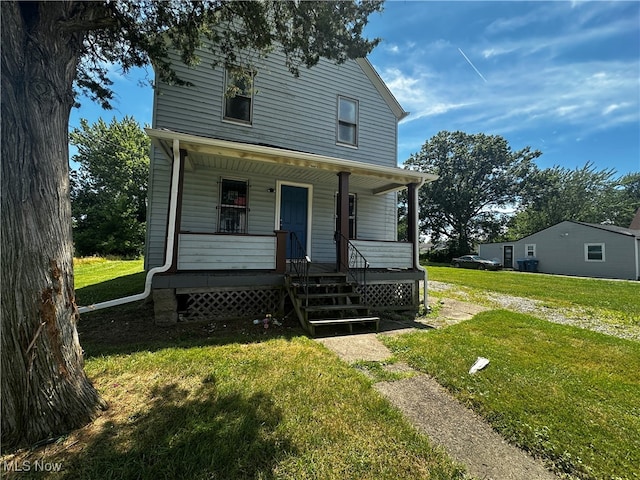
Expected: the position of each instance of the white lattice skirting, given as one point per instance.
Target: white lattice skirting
(235, 303)
(226, 304)
(390, 295)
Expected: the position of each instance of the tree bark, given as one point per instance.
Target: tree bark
(45, 391)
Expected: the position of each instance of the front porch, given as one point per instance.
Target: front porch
(236, 211)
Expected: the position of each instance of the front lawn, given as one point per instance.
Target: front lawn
(188, 404)
(569, 395)
(198, 401)
(259, 408)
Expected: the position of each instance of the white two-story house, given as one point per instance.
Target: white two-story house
(280, 198)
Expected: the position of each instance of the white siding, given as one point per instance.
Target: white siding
(157, 209)
(288, 112)
(376, 215)
(199, 202)
(386, 254)
(226, 252)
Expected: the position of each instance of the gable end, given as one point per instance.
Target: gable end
(382, 88)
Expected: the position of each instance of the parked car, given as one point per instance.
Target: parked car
(474, 261)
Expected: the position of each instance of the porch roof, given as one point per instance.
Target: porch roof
(382, 179)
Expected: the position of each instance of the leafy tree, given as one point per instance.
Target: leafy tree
(51, 50)
(624, 199)
(583, 194)
(479, 176)
(109, 190)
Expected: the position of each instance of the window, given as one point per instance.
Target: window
(530, 250)
(352, 215)
(347, 121)
(238, 97)
(594, 252)
(232, 211)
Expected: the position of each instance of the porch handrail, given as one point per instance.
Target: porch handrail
(300, 263)
(356, 265)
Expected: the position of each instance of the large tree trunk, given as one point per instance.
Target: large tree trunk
(45, 391)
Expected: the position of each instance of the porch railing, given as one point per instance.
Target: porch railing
(207, 251)
(356, 265)
(299, 263)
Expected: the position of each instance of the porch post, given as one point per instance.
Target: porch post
(412, 221)
(281, 250)
(342, 248)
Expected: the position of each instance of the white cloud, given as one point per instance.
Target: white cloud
(553, 44)
(516, 23)
(497, 51)
(392, 48)
(566, 110)
(587, 95)
(418, 93)
(549, 69)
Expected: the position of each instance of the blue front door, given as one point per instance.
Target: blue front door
(293, 213)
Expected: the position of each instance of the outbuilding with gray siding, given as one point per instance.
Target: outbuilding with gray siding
(574, 248)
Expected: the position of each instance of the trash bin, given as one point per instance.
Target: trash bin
(520, 265)
(533, 265)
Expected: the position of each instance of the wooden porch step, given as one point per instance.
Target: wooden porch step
(337, 321)
(321, 278)
(327, 274)
(322, 285)
(329, 308)
(331, 295)
(343, 321)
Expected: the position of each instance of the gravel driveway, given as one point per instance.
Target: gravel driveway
(576, 316)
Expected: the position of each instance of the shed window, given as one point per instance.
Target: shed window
(530, 250)
(232, 211)
(238, 104)
(594, 252)
(347, 121)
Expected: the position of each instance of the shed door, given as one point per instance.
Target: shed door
(508, 256)
(293, 213)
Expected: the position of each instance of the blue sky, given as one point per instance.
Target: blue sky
(561, 77)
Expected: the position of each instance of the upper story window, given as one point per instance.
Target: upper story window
(238, 97)
(347, 132)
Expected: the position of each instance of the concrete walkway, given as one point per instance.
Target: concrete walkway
(431, 409)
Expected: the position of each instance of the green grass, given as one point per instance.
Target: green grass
(610, 297)
(254, 407)
(283, 408)
(381, 372)
(186, 404)
(568, 395)
(98, 279)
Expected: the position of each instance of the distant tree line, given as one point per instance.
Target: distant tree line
(486, 193)
(584, 194)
